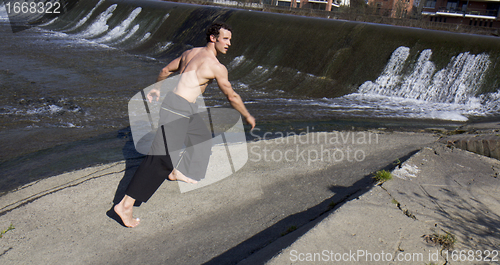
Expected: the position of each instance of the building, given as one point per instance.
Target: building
(314, 4)
(479, 13)
(393, 8)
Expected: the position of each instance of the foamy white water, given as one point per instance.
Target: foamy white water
(236, 62)
(424, 92)
(122, 29)
(100, 25)
(455, 83)
(4, 17)
(86, 18)
(145, 37)
(162, 46)
(449, 93)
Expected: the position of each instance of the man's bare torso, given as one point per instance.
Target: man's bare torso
(196, 70)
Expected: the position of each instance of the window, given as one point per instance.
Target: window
(430, 4)
(451, 5)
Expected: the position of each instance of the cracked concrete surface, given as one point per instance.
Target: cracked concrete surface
(241, 219)
(447, 190)
(63, 219)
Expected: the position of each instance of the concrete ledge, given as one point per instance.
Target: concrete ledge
(483, 144)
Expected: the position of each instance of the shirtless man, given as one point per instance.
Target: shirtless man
(198, 67)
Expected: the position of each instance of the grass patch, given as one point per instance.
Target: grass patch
(332, 205)
(11, 227)
(289, 230)
(382, 176)
(446, 241)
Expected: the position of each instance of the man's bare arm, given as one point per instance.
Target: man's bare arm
(171, 68)
(234, 99)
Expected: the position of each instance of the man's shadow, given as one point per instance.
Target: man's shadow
(132, 161)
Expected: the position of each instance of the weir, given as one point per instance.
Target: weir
(300, 55)
(455, 83)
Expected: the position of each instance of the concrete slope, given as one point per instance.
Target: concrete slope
(438, 194)
(63, 219)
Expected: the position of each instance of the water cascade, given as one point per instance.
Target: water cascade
(456, 83)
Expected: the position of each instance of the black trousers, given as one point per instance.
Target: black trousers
(183, 141)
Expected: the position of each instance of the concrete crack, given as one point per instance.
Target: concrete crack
(400, 241)
(405, 211)
(5, 251)
(70, 184)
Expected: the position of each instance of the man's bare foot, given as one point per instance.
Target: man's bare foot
(124, 210)
(177, 175)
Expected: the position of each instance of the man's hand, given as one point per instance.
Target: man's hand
(251, 120)
(152, 94)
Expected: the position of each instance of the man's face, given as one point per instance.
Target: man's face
(223, 42)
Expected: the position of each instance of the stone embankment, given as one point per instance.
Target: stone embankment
(483, 139)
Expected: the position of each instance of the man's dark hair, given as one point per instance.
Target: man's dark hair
(214, 29)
